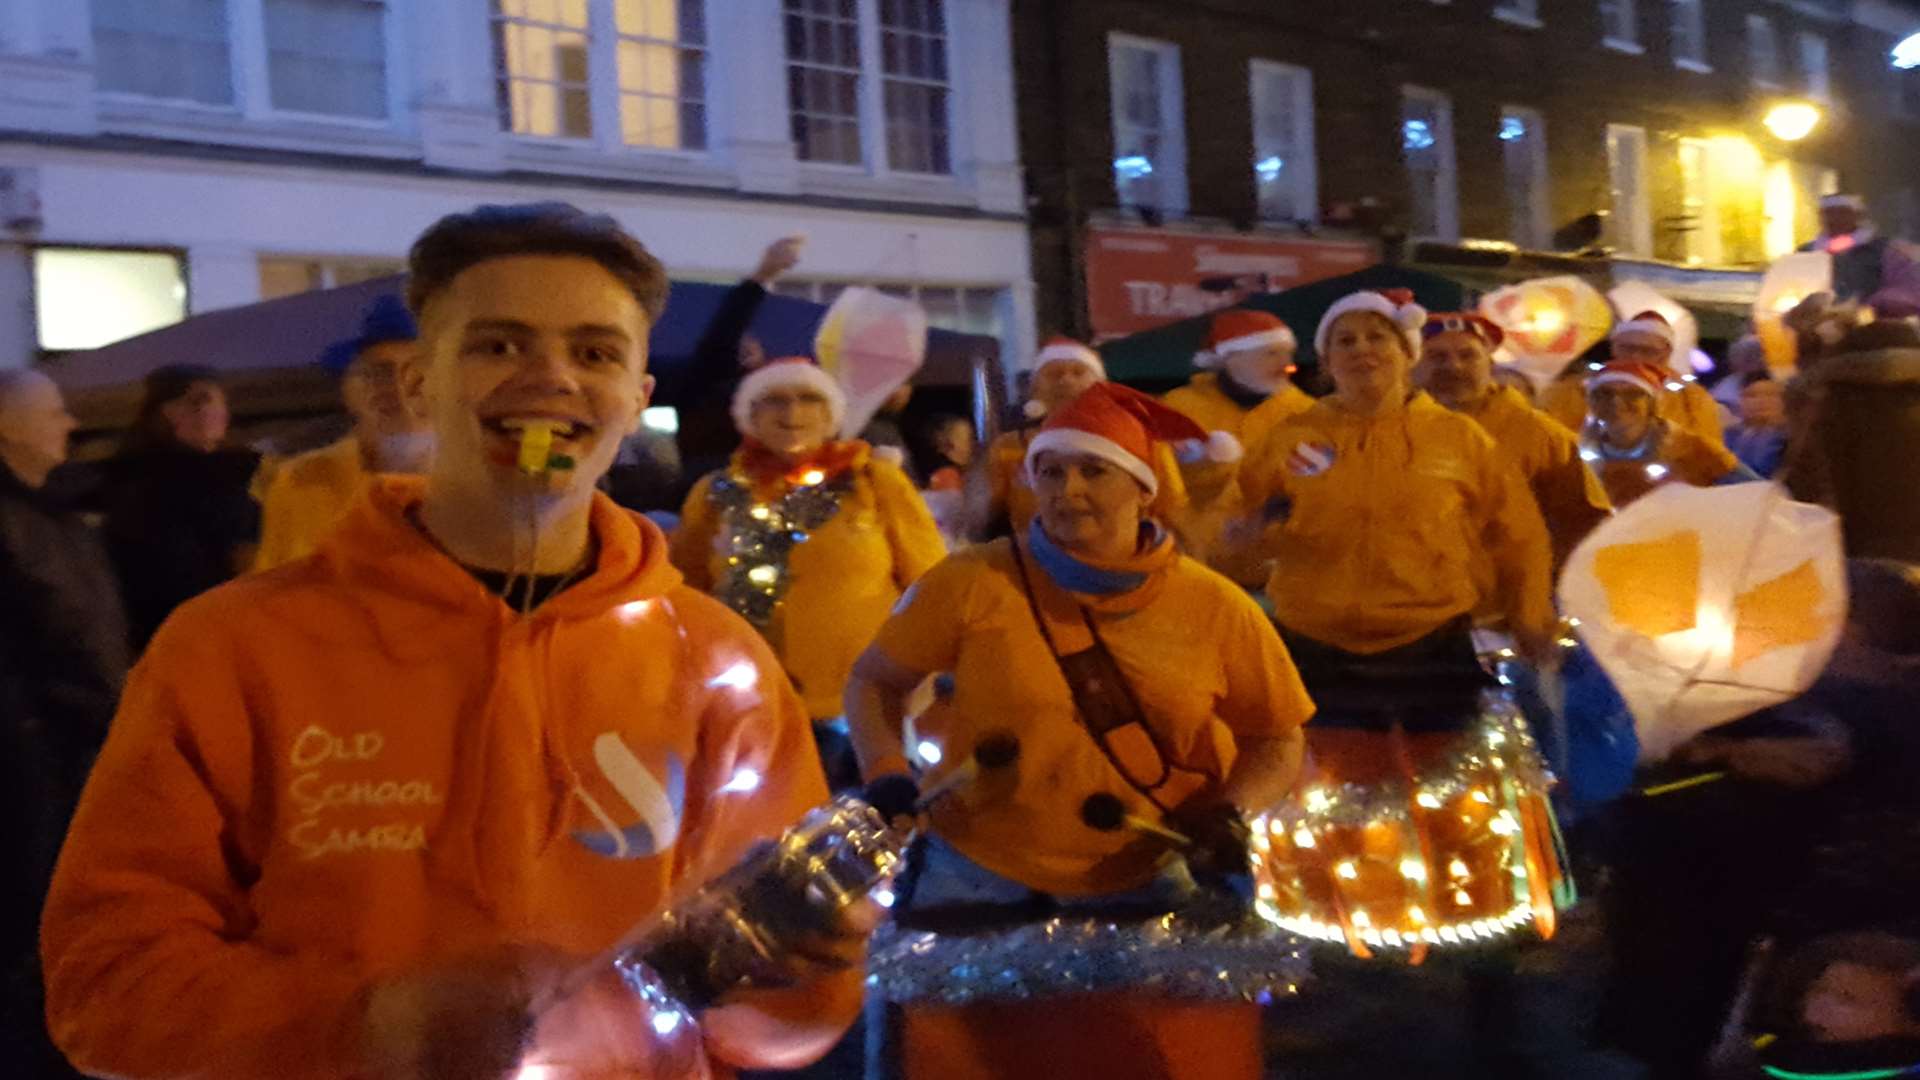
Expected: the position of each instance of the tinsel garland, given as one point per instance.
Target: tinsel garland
(759, 536)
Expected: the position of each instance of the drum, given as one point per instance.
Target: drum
(1409, 842)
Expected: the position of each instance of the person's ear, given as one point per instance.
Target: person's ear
(647, 383)
(411, 379)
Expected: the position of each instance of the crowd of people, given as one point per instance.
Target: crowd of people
(357, 762)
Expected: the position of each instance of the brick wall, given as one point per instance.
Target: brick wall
(1361, 52)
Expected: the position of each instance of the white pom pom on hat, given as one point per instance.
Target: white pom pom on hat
(1397, 306)
(1219, 447)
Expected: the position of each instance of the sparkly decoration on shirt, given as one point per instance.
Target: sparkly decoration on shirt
(758, 537)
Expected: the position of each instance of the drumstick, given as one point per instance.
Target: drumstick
(996, 751)
(1105, 812)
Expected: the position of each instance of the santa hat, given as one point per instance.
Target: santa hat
(1464, 322)
(798, 372)
(1843, 202)
(1651, 323)
(1060, 348)
(1241, 330)
(1119, 424)
(1394, 305)
(1651, 378)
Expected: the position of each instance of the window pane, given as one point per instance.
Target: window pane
(1813, 65)
(1689, 31)
(541, 60)
(1523, 157)
(327, 56)
(1616, 21)
(174, 49)
(1424, 129)
(1282, 142)
(1763, 51)
(662, 70)
(823, 80)
(85, 299)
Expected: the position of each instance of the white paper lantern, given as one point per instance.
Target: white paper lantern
(1704, 605)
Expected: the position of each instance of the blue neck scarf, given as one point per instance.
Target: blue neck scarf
(1076, 576)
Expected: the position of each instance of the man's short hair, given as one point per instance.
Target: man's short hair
(459, 241)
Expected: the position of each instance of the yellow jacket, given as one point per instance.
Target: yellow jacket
(1548, 456)
(1213, 490)
(1689, 408)
(845, 576)
(1386, 524)
(307, 496)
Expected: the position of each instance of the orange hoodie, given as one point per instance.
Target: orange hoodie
(363, 763)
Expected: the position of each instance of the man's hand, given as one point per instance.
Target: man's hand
(781, 256)
(465, 1020)
(1219, 836)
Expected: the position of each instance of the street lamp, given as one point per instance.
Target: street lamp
(1791, 121)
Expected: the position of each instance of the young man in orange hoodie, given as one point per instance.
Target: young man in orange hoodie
(362, 815)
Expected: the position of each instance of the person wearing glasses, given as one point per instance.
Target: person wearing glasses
(1134, 678)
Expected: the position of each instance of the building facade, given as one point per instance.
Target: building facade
(1262, 136)
(165, 157)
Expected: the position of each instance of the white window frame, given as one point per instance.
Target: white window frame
(1761, 28)
(604, 93)
(1631, 234)
(1818, 78)
(1447, 191)
(1536, 233)
(872, 102)
(1173, 118)
(1693, 13)
(248, 67)
(1628, 42)
(1302, 157)
(1524, 13)
(1704, 243)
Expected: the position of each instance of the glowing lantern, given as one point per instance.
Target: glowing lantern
(1791, 279)
(872, 344)
(1706, 604)
(1548, 322)
(1630, 298)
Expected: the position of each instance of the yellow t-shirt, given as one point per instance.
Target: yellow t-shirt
(845, 577)
(1390, 522)
(306, 497)
(1201, 657)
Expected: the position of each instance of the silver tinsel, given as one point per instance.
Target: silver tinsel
(759, 537)
(1189, 958)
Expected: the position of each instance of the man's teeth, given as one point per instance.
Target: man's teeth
(561, 430)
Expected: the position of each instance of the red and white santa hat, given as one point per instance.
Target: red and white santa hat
(1059, 347)
(1651, 378)
(1241, 330)
(1464, 322)
(1394, 305)
(1119, 424)
(1650, 323)
(788, 371)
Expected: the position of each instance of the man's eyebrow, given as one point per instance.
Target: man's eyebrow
(599, 330)
(509, 325)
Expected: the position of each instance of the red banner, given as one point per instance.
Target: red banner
(1138, 279)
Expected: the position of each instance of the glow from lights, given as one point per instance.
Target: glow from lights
(667, 1021)
(743, 780)
(760, 512)
(763, 575)
(1347, 870)
(883, 896)
(1417, 135)
(535, 1072)
(1906, 55)
(1792, 121)
(1132, 167)
(812, 477)
(1318, 801)
(1413, 869)
(929, 751)
(1303, 838)
(1656, 471)
(1512, 129)
(634, 611)
(1267, 170)
(662, 418)
(741, 676)
(1427, 800)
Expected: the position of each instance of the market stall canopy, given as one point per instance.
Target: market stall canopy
(268, 350)
(1166, 353)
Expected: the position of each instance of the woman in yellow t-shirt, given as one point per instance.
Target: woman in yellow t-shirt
(809, 538)
(1134, 678)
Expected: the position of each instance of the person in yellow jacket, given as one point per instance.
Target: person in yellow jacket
(1242, 390)
(1634, 450)
(370, 814)
(305, 496)
(1456, 369)
(1128, 673)
(1647, 338)
(809, 538)
(1385, 509)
